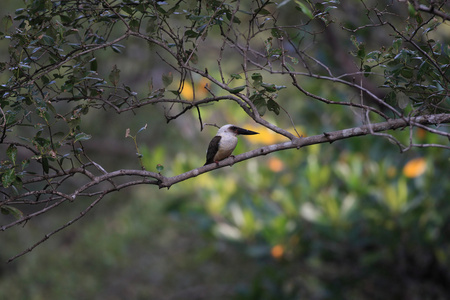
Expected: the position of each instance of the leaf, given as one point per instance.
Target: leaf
(396, 44)
(260, 103)
(236, 76)
(361, 51)
(257, 79)
(367, 70)
(94, 64)
(193, 56)
(48, 40)
(304, 9)
(273, 106)
(290, 67)
(411, 10)
(167, 79)
(114, 76)
(134, 25)
(10, 210)
(82, 137)
(116, 48)
(402, 100)
(276, 33)
(237, 89)
(45, 165)
(270, 87)
(7, 22)
(159, 167)
(191, 34)
(9, 176)
(127, 9)
(12, 153)
(25, 163)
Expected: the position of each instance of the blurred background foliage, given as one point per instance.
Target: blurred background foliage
(350, 220)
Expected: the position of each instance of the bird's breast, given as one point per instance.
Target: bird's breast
(226, 147)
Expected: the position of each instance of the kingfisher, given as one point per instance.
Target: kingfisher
(223, 144)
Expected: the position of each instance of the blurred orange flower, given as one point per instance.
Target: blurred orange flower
(277, 251)
(421, 133)
(415, 167)
(275, 164)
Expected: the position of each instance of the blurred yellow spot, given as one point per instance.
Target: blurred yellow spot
(277, 251)
(268, 137)
(275, 164)
(415, 167)
(391, 172)
(200, 91)
(187, 92)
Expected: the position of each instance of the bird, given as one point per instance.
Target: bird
(223, 144)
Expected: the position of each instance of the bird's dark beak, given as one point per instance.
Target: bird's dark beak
(245, 131)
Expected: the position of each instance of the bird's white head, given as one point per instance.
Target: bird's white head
(234, 130)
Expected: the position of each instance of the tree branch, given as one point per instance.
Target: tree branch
(297, 143)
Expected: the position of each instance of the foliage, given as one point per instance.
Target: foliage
(339, 225)
(71, 66)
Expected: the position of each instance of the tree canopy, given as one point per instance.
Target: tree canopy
(309, 72)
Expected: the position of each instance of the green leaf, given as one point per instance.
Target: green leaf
(419, 18)
(159, 167)
(230, 16)
(45, 165)
(116, 48)
(193, 56)
(304, 9)
(361, 51)
(270, 87)
(396, 44)
(94, 65)
(290, 67)
(167, 79)
(237, 89)
(407, 73)
(8, 177)
(276, 33)
(260, 103)
(12, 153)
(114, 76)
(25, 163)
(191, 34)
(134, 25)
(127, 9)
(236, 76)
(10, 210)
(411, 10)
(82, 137)
(273, 106)
(257, 79)
(367, 70)
(7, 22)
(66, 20)
(48, 40)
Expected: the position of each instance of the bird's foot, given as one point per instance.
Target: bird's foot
(232, 163)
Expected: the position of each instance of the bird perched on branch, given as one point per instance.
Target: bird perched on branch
(223, 144)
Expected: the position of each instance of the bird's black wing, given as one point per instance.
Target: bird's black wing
(212, 149)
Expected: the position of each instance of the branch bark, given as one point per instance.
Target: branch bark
(297, 143)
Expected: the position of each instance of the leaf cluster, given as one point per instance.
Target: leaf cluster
(59, 73)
